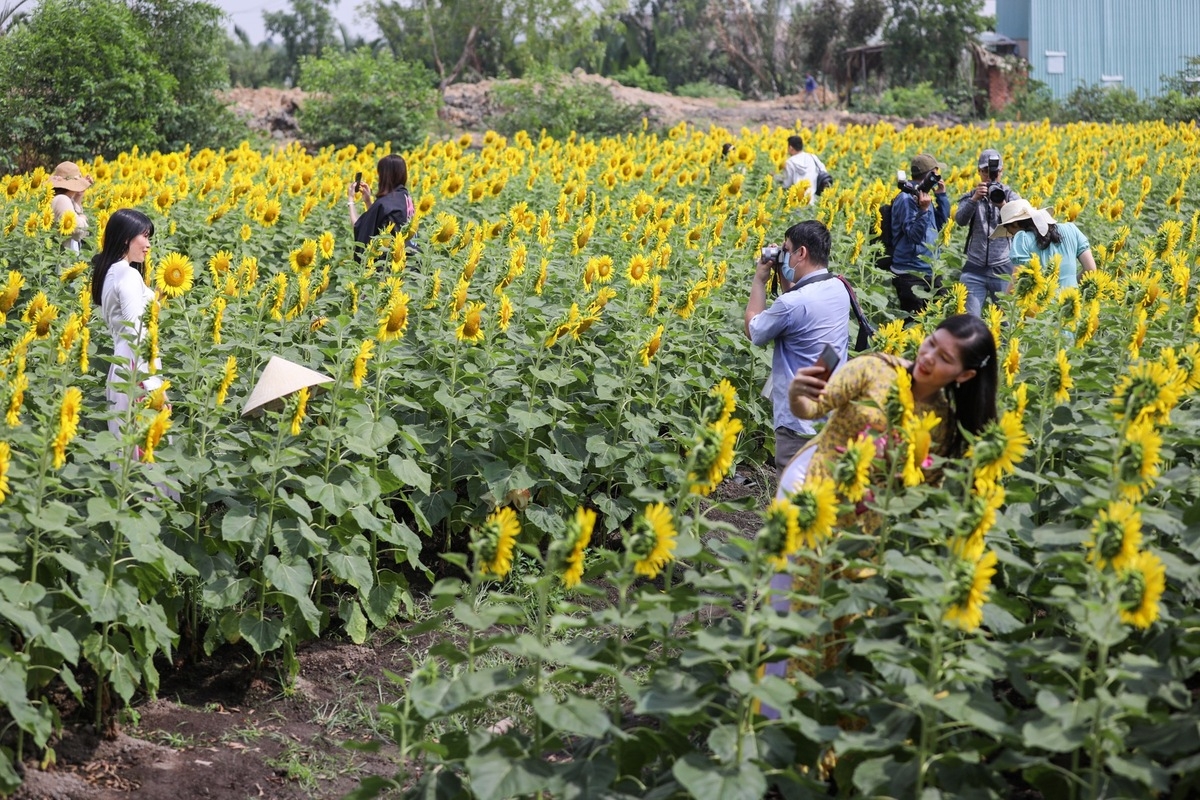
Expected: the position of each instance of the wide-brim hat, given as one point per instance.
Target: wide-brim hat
(926, 163)
(67, 175)
(279, 379)
(1017, 210)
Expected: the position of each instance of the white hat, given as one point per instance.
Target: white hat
(279, 379)
(1017, 210)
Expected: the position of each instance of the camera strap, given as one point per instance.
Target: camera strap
(865, 329)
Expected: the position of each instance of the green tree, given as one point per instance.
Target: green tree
(361, 97)
(306, 30)
(187, 41)
(77, 78)
(925, 40)
(249, 64)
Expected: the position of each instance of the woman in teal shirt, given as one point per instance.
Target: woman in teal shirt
(1035, 232)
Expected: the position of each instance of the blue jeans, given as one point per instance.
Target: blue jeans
(980, 288)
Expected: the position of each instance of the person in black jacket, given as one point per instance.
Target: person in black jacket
(393, 206)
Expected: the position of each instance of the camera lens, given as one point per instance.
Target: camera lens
(997, 194)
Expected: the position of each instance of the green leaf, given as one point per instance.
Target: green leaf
(409, 473)
(353, 569)
(568, 468)
(384, 598)
(293, 579)
(496, 776)
(528, 422)
(702, 778)
(581, 716)
(264, 635)
(355, 621)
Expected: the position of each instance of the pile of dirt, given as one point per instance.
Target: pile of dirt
(468, 107)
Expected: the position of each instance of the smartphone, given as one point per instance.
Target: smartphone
(357, 181)
(828, 359)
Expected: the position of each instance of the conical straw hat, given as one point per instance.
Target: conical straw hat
(279, 379)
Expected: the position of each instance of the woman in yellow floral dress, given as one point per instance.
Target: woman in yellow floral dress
(953, 376)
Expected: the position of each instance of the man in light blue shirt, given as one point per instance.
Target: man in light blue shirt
(813, 310)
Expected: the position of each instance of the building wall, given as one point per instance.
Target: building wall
(1127, 43)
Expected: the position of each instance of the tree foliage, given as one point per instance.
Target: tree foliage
(926, 38)
(306, 30)
(361, 96)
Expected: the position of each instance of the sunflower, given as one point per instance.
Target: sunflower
(11, 291)
(158, 428)
(899, 404)
(67, 223)
(67, 338)
(816, 504)
(779, 536)
(452, 185)
(15, 399)
(567, 551)
(1064, 382)
(494, 541)
(458, 297)
(918, 437)
(998, 449)
(447, 229)
(435, 289)
(301, 409)
(1116, 535)
(655, 295)
(85, 338)
(359, 372)
(973, 581)
(722, 402)
(175, 275)
(157, 398)
(304, 256)
(504, 317)
(1142, 583)
(650, 348)
(218, 307)
(1137, 462)
(1020, 398)
(326, 243)
(227, 379)
(852, 470)
(713, 454)
(1148, 391)
(221, 262)
(651, 543)
(68, 424)
(394, 321)
(638, 271)
(44, 320)
(1188, 360)
(1012, 361)
(983, 508)
(5, 460)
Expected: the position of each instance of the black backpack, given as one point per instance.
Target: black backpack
(884, 261)
(824, 181)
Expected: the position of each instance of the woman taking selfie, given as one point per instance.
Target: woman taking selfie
(393, 206)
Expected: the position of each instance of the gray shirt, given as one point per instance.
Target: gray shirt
(985, 256)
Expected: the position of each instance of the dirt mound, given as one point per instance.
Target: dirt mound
(467, 107)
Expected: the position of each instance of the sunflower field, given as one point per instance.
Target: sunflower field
(529, 420)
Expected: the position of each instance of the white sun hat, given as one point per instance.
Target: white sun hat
(279, 379)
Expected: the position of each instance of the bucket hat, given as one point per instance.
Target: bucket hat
(1018, 210)
(68, 176)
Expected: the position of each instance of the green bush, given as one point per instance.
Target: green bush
(79, 78)
(708, 89)
(1032, 100)
(1096, 103)
(902, 101)
(549, 101)
(640, 77)
(363, 97)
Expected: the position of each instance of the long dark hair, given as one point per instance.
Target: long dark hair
(973, 401)
(125, 225)
(1052, 236)
(393, 174)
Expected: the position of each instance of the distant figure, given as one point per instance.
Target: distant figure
(801, 166)
(69, 185)
(393, 206)
(810, 89)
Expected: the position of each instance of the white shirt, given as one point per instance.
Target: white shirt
(123, 303)
(803, 167)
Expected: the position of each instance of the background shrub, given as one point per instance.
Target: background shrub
(708, 89)
(640, 77)
(899, 101)
(366, 97)
(550, 101)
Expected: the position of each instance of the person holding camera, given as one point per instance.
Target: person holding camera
(987, 269)
(814, 310)
(393, 206)
(801, 166)
(919, 211)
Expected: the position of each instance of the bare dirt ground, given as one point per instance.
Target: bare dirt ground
(468, 106)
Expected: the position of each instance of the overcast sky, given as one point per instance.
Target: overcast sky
(248, 15)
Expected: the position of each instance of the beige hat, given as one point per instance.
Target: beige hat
(279, 379)
(68, 176)
(1018, 210)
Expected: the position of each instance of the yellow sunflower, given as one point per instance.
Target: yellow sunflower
(1142, 584)
(504, 317)
(1148, 391)
(494, 542)
(651, 543)
(447, 229)
(158, 428)
(359, 372)
(227, 379)
(394, 321)
(1012, 361)
(852, 470)
(326, 243)
(1064, 383)
(567, 551)
(1116, 536)
(722, 402)
(899, 405)
(5, 460)
(973, 582)
(816, 503)
(175, 275)
(44, 320)
(1137, 462)
(301, 409)
(713, 453)
(638, 271)
(650, 348)
(983, 509)
(779, 536)
(220, 262)
(471, 329)
(918, 438)
(304, 256)
(68, 424)
(12, 290)
(998, 449)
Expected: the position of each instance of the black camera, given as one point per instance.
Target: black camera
(926, 184)
(774, 254)
(995, 190)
